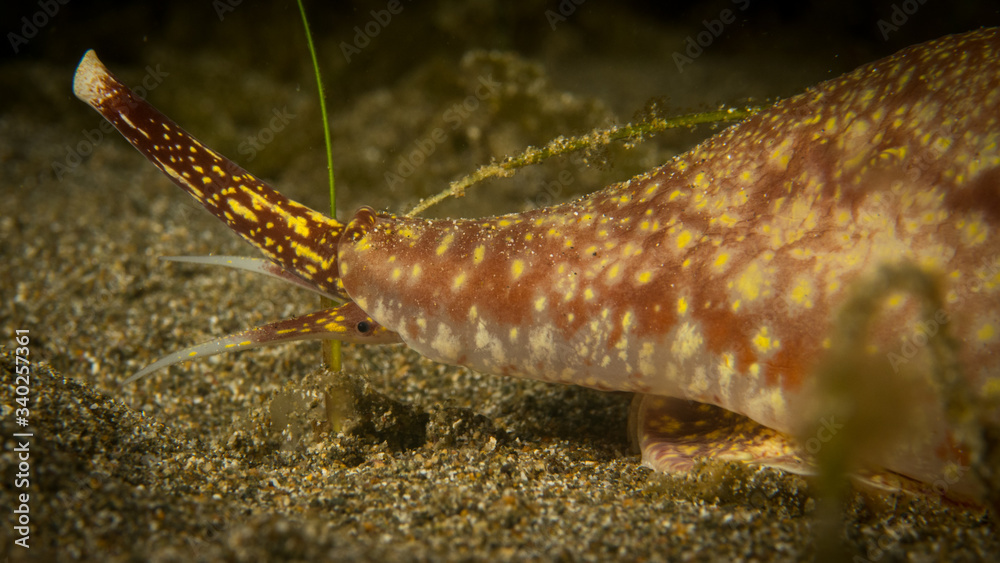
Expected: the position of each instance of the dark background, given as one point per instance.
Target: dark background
(268, 35)
(620, 54)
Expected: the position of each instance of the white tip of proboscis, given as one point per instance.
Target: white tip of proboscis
(88, 82)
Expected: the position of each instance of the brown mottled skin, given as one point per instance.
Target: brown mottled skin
(718, 276)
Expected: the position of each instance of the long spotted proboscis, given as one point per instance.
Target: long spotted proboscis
(300, 244)
(300, 240)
